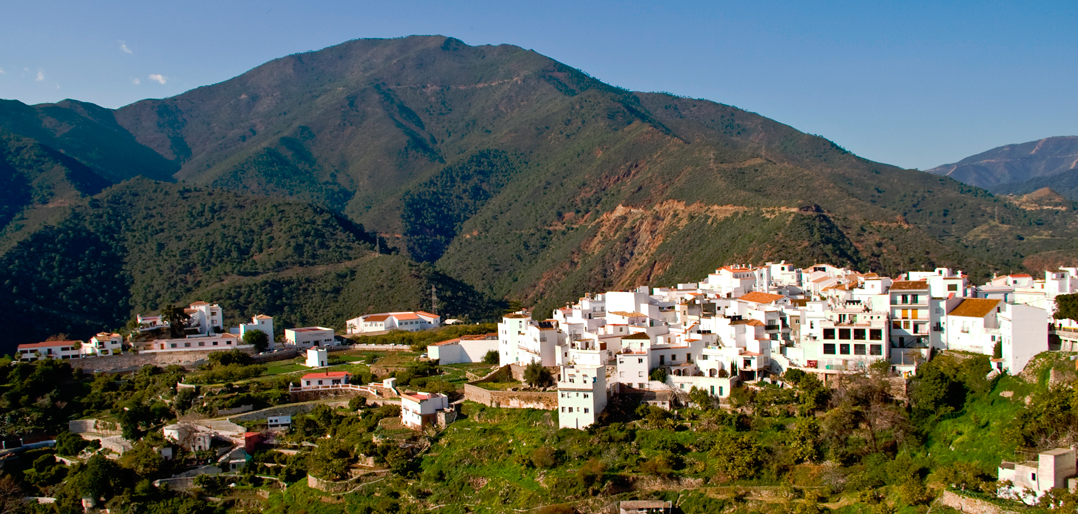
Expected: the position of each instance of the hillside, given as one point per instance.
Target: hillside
(143, 244)
(1011, 165)
(533, 181)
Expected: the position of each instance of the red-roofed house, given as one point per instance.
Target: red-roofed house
(421, 409)
(408, 321)
(324, 380)
(48, 350)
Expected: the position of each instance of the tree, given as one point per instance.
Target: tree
(701, 398)
(536, 375)
(143, 459)
(257, 338)
(658, 375)
(491, 357)
(357, 403)
(177, 319)
(1067, 306)
(738, 455)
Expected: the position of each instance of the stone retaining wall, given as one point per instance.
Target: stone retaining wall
(134, 361)
(545, 400)
(330, 486)
(971, 505)
(237, 410)
(97, 426)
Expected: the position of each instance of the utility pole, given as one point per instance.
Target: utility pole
(433, 300)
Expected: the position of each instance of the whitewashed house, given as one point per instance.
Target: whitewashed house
(102, 344)
(581, 396)
(48, 350)
(464, 349)
(261, 323)
(307, 337)
(409, 321)
(1031, 479)
(324, 380)
(421, 409)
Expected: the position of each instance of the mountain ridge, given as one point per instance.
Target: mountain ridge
(530, 180)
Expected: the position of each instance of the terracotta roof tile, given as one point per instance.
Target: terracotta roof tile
(909, 285)
(758, 297)
(974, 308)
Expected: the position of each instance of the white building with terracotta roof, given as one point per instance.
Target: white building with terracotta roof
(410, 321)
(48, 350)
(306, 337)
(421, 409)
(980, 325)
(324, 380)
(212, 342)
(105, 343)
(205, 319)
(262, 323)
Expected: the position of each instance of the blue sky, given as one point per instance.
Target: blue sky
(915, 84)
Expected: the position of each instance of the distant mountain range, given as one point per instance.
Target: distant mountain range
(512, 175)
(1022, 168)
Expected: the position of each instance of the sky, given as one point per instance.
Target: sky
(914, 84)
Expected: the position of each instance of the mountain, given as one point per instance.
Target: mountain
(88, 133)
(143, 244)
(532, 181)
(1011, 165)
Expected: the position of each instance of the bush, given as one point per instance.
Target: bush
(544, 458)
(491, 357)
(658, 375)
(536, 375)
(357, 403)
(590, 474)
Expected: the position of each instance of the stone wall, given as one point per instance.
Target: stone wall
(545, 400)
(134, 361)
(971, 505)
(96, 426)
(330, 486)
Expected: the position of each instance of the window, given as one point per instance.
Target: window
(673, 357)
(640, 360)
(621, 374)
(639, 373)
(843, 333)
(859, 334)
(200, 343)
(563, 409)
(828, 333)
(585, 396)
(952, 287)
(173, 345)
(641, 385)
(844, 349)
(875, 334)
(858, 349)
(913, 299)
(186, 345)
(829, 349)
(905, 298)
(875, 349)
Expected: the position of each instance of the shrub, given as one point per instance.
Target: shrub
(536, 375)
(491, 357)
(544, 458)
(357, 403)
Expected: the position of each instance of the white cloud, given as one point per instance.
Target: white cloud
(40, 75)
(160, 79)
(136, 81)
(1, 71)
(123, 46)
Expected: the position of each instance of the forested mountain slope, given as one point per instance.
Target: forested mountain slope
(143, 244)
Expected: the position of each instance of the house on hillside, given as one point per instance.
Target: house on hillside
(409, 321)
(205, 319)
(261, 323)
(212, 342)
(317, 358)
(424, 409)
(307, 337)
(464, 349)
(581, 395)
(189, 437)
(102, 344)
(324, 380)
(49, 350)
(1031, 479)
(980, 325)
